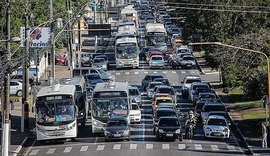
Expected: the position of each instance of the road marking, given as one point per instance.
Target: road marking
(127, 73)
(154, 72)
(146, 72)
(117, 146)
(67, 150)
(149, 146)
(181, 146)
(164, 72)
(183, 72)
(136, 73)
(34, 152)
(214, 147)
(231, 148)
(147, 120)
(117, 74)
(133, 146)
(51, 151)
(165, 146)
(198, 146)
(192, 72)
(84, 148)
(100, 147)
(174, 72)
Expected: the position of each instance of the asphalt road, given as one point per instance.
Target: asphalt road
(143, 140)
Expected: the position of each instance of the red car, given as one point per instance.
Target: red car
(60, 60)
(153, 53)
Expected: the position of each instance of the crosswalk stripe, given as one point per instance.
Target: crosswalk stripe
(117, 74)
(154, 72)
(133, 146)
(51, 151)
(34, 152)
(84, 148)
(146, 72)
(149, 146)
(117, 146)
(100, 147)
(165, 146)
(183, 72)
(198, 146)
(127, 73)
(174, 72)
(146, 119)
(164, 72)
(181, 146)
(67, 150)
(214, 147)
(231, 148)
(136, 73)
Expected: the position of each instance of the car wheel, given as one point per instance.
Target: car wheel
(19, 93)
(181, 137)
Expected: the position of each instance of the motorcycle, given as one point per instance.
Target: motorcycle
(189, 131)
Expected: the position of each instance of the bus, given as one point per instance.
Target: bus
(56, 112)
(129, 13)
(127, 53)
(109, 100)
(156, 35)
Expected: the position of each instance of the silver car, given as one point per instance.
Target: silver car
(100, 63)
(117, 128)
(188, 61)
(156, 61)
(135, 95)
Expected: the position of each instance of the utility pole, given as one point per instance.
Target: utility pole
(25, 102)
(79, 42)
(52, 56)
(6, 104)
(70, 38)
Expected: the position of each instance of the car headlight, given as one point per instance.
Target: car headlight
(160, 131)
(208, 129)
(126, 132)
(178, 131)
(226, 130)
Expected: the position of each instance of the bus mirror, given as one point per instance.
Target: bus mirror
(76, 111)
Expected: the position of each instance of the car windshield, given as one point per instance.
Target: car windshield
(99, 60)
(207, 96)
(164, 101)
(217, 122)
(166, 113)
(188, 58)
(200, 86)
(166, 91)
(133, 92)
(156, 58)
(193, 80)
(134, 107)
(224, 114)
(169, 122)
(116, 123)
(55, 112)
(214, 108)
(156, 76)
(93, 77)
(153, 85)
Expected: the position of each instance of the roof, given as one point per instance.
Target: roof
(214, 103)
(164, 98)
(73, 80)
(155, 82)
(126, 40)
(192, 76)
(103, 87)
(56, 90)
(216, 117)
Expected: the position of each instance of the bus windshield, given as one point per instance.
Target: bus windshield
(156, 40)
(55, 112)
(126, 52)
(110, 107)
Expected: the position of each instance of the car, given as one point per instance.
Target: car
(198, 108)
(117, 128)
(165, 81)
(99, 63)
(207, 97)
(149, 78)
(188, 61)
(158, 100)
(144, 52)
(167, 106)
(60, 59)
(151, 53)
(199, 90)
(216, 127)
(20, 79)
(187, 81)
(156, 61)
(135, 95)
(161, 112)
(150, 88)
(92, 79)
(194, 86)
(168, 127)
(135, 113)
(16, 88)
(221, 113)
(166, 90)
(211, 106)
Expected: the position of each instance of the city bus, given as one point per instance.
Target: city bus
(56, 112)
(127, 52)
(156, 35)
(109, 100)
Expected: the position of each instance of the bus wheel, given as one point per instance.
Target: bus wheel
(73, 139)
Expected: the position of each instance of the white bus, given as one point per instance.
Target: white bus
(127, 52)
(56, 112)
(129, 13)
(156, 35)
(109, 100)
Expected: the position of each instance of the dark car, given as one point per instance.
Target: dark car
(149, 78)
(92, 79)
(162, 112)
(163, 80)
(168, 127)
(117, 128)
(144, 52)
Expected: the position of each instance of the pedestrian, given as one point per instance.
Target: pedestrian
(264, 136)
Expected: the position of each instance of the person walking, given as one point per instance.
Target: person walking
(264, 136)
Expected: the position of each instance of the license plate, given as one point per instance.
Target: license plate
(217, 134)
(169, 135)
(117, 135)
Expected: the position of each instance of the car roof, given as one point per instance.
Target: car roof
(168, 117)
(218, 112)
(155, 82)
(214, 103)
(164, 98)
(206, 93)
(165, 109)
(164, 86)
(216, 117)
(199, 83)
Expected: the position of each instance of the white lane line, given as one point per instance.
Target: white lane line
(127, 73)
(146, 72)
(174, 72)
(136, 73)
(154, 72)
(164, 72)
(117, 73)
(147, 120)
(214, 147)
(34, 152)
(165, 146)
(198, 146)
(133, 146)
(149, 146)
(100, 147)
(181, 146)
(51, 151)
(117, 146)
(183, 72)
(84, 148)
(67, 150)
(231, 148)
(192, 72)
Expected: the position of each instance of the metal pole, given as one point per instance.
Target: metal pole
(268, 75)
(52, 43)
(69, 39)
(79, 42)
(5, 115)
(25, 102)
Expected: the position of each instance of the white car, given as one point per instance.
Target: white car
(216, 127)
(156, 61)
(135, 113)
(188, 61)
(16, 88)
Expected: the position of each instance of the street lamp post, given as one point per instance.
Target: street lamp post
(249, 50)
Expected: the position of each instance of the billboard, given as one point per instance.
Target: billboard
(39, 37)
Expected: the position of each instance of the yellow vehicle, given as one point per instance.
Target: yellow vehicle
(158, 100)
